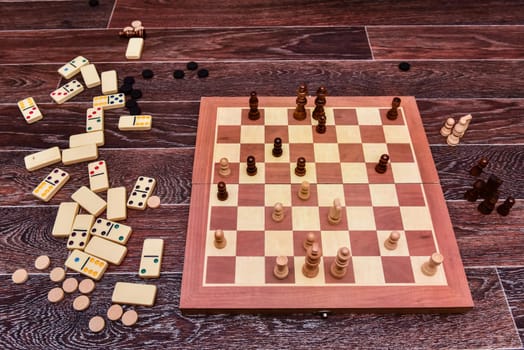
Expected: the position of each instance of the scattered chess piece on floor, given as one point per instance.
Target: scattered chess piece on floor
(492, 187)
(310, 268)
(430, 267)
(479, 167)
(222, 194)
(254, 113)
(224, 169)
(251, 166)
(335, 212)
(281, 269)
(300, 111)
(382, 165)
(339, 266)
(277, 147)
(473, 194)
(465, 120)
(447, 127)
(310, 239)
(304, 191)
(505, 207)
(278, 212)
(487, 205)
(457, 132)
(300, 169)
(320, 102)
(391, 242)
(321, 126)
(220, 239)
(393, 112)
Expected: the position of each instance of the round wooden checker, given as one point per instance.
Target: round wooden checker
(57, 274)
(81, 302)
(153, 202)
(115, 312)
(55, 295)
(70, 285)
(86, 286)
(96, 324)
(42, 262)
(20, 276)
(129, 318)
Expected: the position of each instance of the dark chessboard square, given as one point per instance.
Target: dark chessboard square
(357, 195)
(250, 243)
(285, 225)
(305, 150)
(270, 262)
(388, 218)
(330, 136)
(376, 178)
(329, 173)
(312, 201)
(224, 218)
(345, 116)
(247, 121)
(293, 121)
(386, 121)
(351, 152)
(256, 150)
(364, 243)
(349, 277)
(231, 178)
(372, 134)
(228, 134)
(220, 269)
(277, 173)
(400, 152)
(273, 131)
(410, 195)
(251, 195)
(298, 241)
(397, 269)
(420, 243)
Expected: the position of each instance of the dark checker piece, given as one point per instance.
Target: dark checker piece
(129, 80)
(126, 89)
(136, 94)
(131, 104)
(147, 74)
(203, 73)
(192, 65)
(178, 74)
(135, 110)
(404, 66)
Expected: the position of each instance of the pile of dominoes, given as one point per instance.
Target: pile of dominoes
(94, 242)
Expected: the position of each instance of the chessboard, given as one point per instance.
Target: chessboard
(340, 163)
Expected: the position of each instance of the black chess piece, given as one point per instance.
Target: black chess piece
(300, 111)
(321, 126)
(382, 165)
(487, 205)
(251, 166)
(254, 113)
(491, 188)
(393, 112)
(477, 169)
(222, 191)
(277, 147)
(505, 207)
(300, 169)
(320, 102)
(473, 194)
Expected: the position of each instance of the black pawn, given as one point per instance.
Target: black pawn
(504, 208)
(254, 113)
(477, 169)
(222, 191)
(300, 170)
(382, 165)
(251, 166)
(473, 194)
(277, 147)
(393, 112)
(487, 205)
(491, 188)
(321, 126)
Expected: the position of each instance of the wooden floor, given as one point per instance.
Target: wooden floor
(466, 57)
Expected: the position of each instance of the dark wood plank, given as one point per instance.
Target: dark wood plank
(332, 12)
(170, 44)
(512, 280)
(63, 14)
(25, 307)
(449, 42)
(426, 79)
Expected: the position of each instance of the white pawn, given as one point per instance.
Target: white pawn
(447, 127)
(224, 170)
(392, 241)
(278, 212)
(303, 192)
(430, 267)
(454, 138)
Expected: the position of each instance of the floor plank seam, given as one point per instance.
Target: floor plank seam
(369, 44)
(111, 15)
(509, 308)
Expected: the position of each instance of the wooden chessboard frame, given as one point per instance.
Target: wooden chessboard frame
(195, 297)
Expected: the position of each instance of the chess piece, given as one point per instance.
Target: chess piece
(393, 112)
(277, 147)
(254, 113)
(430, 267)
(303, 192)
(278, 212)
(457, 132)
(391, 242)
(339, 266)
(224, 169)
(447, 127)
(477, 169)
(465, 120)
(382, 165)
(312, 261)
(251, 166)
(505, 207)
(300, 169)
(492, 187)
(335, 212)
(222, 191)
(321, 126)
(281, 269)
(300, 111)
(220, 240)
(310, 239)
(473, 194)
(320, 102)
(487, 205)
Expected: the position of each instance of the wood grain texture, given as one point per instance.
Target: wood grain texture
(51, 326)
(332, 12)
(512, 280)
(448, 42)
